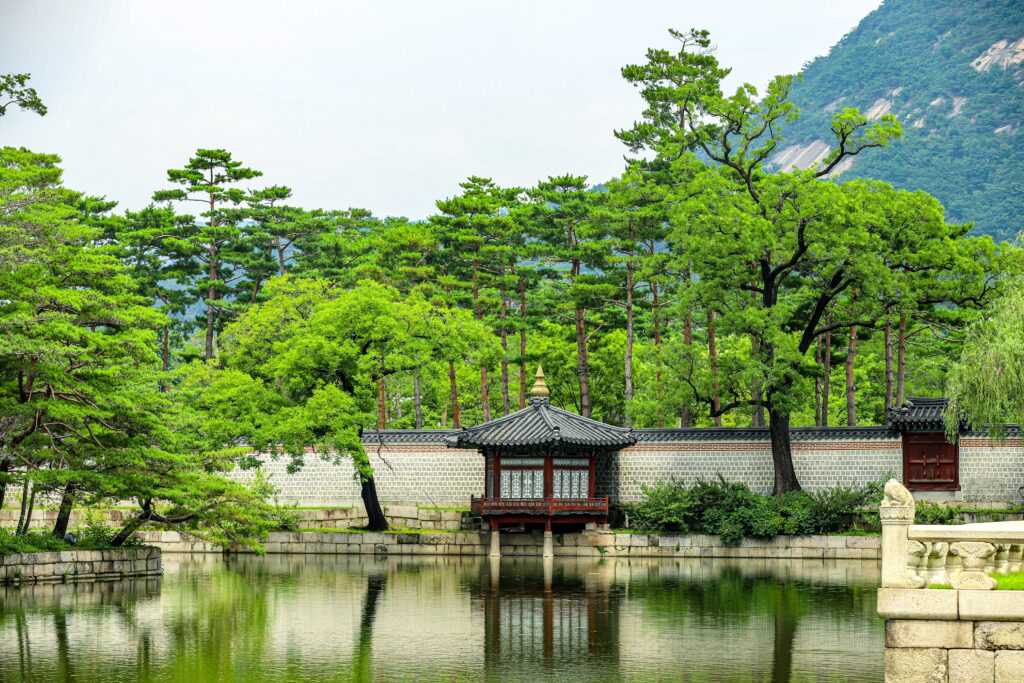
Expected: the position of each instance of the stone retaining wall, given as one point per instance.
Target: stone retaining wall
(953, 636)
(79, 565)
(585, 544)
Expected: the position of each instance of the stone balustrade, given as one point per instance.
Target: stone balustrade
(961, 556)
(966, 634)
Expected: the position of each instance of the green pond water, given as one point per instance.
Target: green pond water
(327, 618)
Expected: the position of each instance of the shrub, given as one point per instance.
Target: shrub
(733, 512)
(933, 513)
(10, 543)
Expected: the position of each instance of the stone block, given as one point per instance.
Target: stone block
(992, 605)
(1009, 667)
(902, 633)
(640, 540)
(853, 554)
(971, 666)
(908, 603)
(836, 541)
(371, 538)
(404, 511)
(996, 635)
(451, 516)
(429, 515)
(915, 665)
(873, 542)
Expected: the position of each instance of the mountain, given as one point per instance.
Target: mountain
(952, 71)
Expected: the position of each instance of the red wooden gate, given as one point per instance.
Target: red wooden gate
(930, 463)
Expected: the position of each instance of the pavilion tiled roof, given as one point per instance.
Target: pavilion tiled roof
(540, 424)
(919, 414)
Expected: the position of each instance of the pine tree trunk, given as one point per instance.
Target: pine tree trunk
(685, 417)
(817, 386)
(851, 391)
(166, 352)
(130, 527)
(782, 452)
(381, 414)
(888, 366)
(582, 363)
(485, 393)
(27, 492)
(522, 343)
(716, 401)
(901, 362)
(375, 519)
(67, 503)
(280, 256)
(211, 294)
(826, 383)
(505, 401)
(417, 398)
(456, 423)
(628, 360)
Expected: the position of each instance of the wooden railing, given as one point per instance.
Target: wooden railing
(539, 506)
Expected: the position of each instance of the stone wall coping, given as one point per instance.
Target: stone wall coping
(981, 531)
(914, 604)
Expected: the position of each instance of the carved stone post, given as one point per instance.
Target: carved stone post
(937, 574)
(917, 564)
(974, 557)
(1015, 557)
(897, 514)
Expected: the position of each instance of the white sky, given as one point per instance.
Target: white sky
(385, 105)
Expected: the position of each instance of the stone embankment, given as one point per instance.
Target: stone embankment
(585, 544)
(79, 565)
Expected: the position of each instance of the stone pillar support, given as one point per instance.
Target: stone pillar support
(495, 540)
(897, 514)
(549, 544)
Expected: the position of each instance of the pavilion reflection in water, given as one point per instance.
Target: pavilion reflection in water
(566, 615)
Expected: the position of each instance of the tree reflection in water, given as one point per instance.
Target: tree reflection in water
(316, 618)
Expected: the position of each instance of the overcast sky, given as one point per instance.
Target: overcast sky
(385, 105)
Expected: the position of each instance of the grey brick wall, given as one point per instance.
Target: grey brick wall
(818, 465)
(991, 470)
(431, 474)
(421, 473)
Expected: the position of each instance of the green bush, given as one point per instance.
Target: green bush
(933, 513)
(32, 542)
(733, 512)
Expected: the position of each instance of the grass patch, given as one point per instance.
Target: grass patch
(1009, 582)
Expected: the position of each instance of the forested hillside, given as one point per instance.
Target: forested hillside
(952, 71)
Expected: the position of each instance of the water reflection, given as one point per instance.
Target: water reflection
(319, 618)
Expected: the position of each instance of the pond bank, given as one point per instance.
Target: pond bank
(80, 565)
(584, 544)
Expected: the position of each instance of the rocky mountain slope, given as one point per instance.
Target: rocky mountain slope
(953, 72)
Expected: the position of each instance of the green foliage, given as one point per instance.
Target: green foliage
(986, 386)
(15, 91)
(932, 513)
(32, 542)
(733, 512)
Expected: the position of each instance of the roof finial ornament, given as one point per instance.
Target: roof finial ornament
(540, 387)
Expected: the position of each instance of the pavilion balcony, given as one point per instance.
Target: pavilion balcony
(549, 506)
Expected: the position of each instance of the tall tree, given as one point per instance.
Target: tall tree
(802, 233)
(209, 178)
(568, 240)
(475, 231)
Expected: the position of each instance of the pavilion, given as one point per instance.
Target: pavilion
(540, 467)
